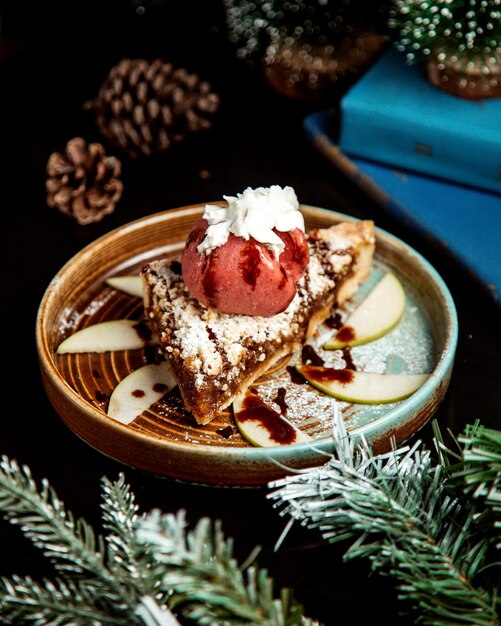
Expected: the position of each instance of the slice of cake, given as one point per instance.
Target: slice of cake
(216, 355)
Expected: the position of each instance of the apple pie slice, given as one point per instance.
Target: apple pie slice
(214, 355)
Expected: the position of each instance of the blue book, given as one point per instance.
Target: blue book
(394, 115)
(465, 220)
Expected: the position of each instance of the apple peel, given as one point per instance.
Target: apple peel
(131, 285)
(261, 425)
(122, 334)
(377, 315)
(135, 393)
(362, 387)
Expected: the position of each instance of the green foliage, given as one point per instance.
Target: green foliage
(467, 28)
(409, 516)
(91, 592)
(432, 524)
(480, 476)
(204, 582)
(140, 569)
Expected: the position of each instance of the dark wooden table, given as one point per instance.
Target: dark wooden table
(51, 62)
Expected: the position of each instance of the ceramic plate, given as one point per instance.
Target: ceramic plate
(165, 439)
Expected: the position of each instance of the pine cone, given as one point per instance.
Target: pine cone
(144, 106)
(83, 182)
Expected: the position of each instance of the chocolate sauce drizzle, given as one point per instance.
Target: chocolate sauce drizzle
(143, 330)
(328, 374)
(280, 400)
(310, 357)
(344, 333)
(255, 410)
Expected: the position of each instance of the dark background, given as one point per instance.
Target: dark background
(53, 58)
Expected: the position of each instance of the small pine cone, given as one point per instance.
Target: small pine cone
(143, 106)
(83, 182)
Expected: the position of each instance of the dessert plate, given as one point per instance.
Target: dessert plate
(165, 439)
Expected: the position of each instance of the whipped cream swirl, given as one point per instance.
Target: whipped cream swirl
(253, 213)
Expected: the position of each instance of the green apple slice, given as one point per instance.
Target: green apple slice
(119, 334)
(261, 425)
(362, 387)
(377, 314)
(131, 285)
(139, 390)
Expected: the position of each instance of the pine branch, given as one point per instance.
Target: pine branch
(428, 525)
(481, 475)
(24, 601)
(474, 471)
(127, 559)
(69, 544)
(205, 582)
(482, 464)
(400, 512)
(144, 567)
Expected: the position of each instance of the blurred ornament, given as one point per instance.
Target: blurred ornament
(143, 107)
(472, 77)
(307, 48)
(310, 72)
(83, 182)
(459, 40)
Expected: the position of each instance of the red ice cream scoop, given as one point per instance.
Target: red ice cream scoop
(243, 276)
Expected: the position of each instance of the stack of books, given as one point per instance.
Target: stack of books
(431, 159)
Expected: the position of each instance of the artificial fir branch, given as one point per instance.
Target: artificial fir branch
(403, 513)
(482, 465)
(70, 545)
(475, 472)
(432, 526)
(54, 603)
(143, 566)
(480, 475)
(126, 559)
(203, 580)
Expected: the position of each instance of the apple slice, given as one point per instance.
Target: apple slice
(139, 390)
(106, 336)
(377, 314)
(261, 425)
(362, 387)
(131, 285)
